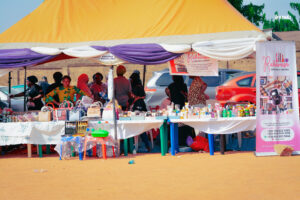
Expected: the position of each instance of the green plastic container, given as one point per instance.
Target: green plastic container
(100, 133)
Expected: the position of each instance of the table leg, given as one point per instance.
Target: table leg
(131, 145)
(211, 144)
(176, 137)
(239, 139)
(222, 144)
(173, 133)
(166, 137)
(40, 150)
(73, 151)
(162, 139)
(29, 151)
(125, 147)
(47, 149)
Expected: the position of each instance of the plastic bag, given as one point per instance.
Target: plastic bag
(200, 143)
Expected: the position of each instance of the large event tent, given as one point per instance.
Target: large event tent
(140, 32)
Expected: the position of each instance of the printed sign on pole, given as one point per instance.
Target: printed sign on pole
(194, 64)
(276, 97)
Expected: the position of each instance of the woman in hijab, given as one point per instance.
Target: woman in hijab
(178, 91)
(34, 94)
(82, 84)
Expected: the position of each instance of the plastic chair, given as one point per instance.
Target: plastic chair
(102, 140)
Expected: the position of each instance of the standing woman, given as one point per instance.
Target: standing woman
(34, 94)
(196, 96)
(178, 91)
(122, 87)
(82, 84)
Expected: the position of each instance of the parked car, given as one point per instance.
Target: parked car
(155, 88)
(241, 88)
(17, 103)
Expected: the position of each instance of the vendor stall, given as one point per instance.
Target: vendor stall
(138, 32)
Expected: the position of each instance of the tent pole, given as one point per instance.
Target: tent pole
(9, 89)
(114, 107)
(144, 75)
(25, 77)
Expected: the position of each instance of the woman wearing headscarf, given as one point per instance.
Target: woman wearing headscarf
(82, 84)
(34, 94)
(122, 87)
(178, 91)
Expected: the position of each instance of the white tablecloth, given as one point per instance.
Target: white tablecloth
(50, 132)
(31, 132)
(128, 129)
(220, 125)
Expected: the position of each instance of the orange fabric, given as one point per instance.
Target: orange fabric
(69, 21)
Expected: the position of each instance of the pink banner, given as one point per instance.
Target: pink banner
(277, 97)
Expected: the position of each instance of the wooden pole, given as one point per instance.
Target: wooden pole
(9, 89)
(25, 77)
(144, 75)
(114, 106)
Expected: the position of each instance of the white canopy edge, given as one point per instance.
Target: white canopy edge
(173, 39)
(232, 49)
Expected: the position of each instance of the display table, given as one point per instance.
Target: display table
(43, 133)
(211, 127)
(130, 128)
(31, 132)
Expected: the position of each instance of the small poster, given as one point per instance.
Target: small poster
(193, 64)
(110, 59)
(277, 97)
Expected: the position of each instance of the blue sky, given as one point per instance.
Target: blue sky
(11, 11)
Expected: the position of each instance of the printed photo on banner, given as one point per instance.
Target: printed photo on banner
(194, 64)
(276, 95)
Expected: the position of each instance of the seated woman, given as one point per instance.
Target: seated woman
(65, 92)
(34, 94)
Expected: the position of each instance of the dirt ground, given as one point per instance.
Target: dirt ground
(238, 175)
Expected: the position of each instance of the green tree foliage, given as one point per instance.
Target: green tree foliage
(279, 24)
(254, 13)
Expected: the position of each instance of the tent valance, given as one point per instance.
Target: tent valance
(144, 54)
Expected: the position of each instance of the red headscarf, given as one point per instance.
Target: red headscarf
(82, 83)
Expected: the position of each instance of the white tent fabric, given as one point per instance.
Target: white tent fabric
(231, 49)
(79, 52)
(176, 48)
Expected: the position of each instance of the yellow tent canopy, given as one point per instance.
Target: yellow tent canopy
(70, 23)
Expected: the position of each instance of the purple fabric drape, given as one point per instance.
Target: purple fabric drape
(13, 58)
(143, 54)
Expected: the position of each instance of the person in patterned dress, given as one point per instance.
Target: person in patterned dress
(196, 95)
(66, 92)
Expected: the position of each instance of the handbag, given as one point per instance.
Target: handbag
(95, 110)
(62, 113)
(46, 114)
(108, 112)
(76, 113)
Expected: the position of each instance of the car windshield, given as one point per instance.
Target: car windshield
(211, 81)
(13, 91)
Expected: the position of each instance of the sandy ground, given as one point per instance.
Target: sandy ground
(236, 175)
